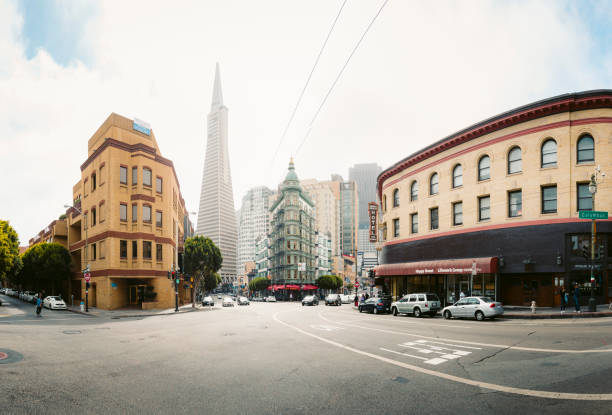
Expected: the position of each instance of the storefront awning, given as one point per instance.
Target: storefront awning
(486, 265)
(310, 287)
(293, 287)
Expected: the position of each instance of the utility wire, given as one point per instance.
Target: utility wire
(297, 104)
(339, 75)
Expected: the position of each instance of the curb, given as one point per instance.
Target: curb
(81, 312)
(189, 310)
(558, 316)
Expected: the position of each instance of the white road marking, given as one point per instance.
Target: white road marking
(403, 354)
(447, 344)
(478, 384)
(500, 346)
(326, 327)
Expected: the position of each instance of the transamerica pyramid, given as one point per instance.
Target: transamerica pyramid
(216, 216)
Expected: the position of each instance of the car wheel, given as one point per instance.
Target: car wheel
(417, 312)
(375, 310)
(479, 316)
(447, 314)
(394, 311)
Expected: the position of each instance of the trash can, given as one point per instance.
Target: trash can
(82, 306)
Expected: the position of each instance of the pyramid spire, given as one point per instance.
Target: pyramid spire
(217, 98)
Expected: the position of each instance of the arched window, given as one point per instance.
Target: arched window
(549, 153)
(414, 191)
(484, 168)
(457, 176)
(433, 184)
(586, 149)
(396, 198)
(514, 160)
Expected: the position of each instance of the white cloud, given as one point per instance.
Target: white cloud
(425, 70)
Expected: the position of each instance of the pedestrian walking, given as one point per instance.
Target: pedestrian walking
(367, 296)
(564, 298)
(577, 298)
(356, 300)
(38, 305)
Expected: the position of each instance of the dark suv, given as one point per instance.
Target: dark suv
(376, 305)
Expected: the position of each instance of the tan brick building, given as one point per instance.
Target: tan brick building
(503, 194)
(128, 219)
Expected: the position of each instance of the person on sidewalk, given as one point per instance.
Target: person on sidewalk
(38, 305)
(577, 298)
(564, 298)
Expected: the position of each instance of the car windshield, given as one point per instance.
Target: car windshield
(486, 299)
(55, 298)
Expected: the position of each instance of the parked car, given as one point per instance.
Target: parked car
(228, 302)
(310, 300)
(346, 298)
(2, 290)
(271, 299)
(219, 297)
(29, 296)
(333, 299)
(11, 292)
(474, 307)
(417, 304)
(243, 301)
(54, 303)
(208, 300)
(376, 305)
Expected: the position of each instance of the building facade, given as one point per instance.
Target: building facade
(494, 209)
(216, 215)
(262, 257)
(323, 254)
(127, 221)
(292, 238)
(254, 222)
(364, 175)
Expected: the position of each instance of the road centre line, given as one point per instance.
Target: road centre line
(484, 385)
(500, 346)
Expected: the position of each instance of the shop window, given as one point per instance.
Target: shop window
(515, 203)
(549, 199)
(457, 213)
(484, 208)
(414, 191)
(433, 218)
(122, 249)
(585, 149)
(514, 160)
(484, 168)
(433, 184)
(585, 198)
(457, 176)
(549, 153)
(123, 175)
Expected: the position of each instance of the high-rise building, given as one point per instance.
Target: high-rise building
(348, 212)
(292, 237)
(327, 209)
(365, 175)
(254, 222)
(216, 216)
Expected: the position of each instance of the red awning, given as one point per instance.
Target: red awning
(310, 287)
(293, 287)
(487, 265)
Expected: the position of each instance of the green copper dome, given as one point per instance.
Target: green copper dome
(291, 175)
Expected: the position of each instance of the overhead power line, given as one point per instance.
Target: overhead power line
(339, 75)
(297, 104)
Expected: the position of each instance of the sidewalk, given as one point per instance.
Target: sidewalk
(549, 312)
(130, 312)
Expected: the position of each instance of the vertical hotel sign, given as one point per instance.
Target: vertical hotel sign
(372, 212)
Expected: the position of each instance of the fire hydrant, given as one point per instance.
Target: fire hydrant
(533, 306)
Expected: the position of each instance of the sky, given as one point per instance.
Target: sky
(423, 71)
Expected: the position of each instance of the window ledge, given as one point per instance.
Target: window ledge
(484, 220)
(484, 180)
(549, 167)
(514, 174)
(548, 213)
(457, 187)
(585, 163)
(514, 217)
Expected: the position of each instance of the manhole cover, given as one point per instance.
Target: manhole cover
(9, 356)
(71, 332)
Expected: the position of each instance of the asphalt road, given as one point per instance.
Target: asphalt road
(282, 358)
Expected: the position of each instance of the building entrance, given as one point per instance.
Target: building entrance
(135, 293)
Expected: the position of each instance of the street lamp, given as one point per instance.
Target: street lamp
(593, 190)
(86, 261)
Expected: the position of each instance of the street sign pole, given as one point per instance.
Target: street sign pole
(593, 215)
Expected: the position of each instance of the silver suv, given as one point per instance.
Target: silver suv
(417, 304)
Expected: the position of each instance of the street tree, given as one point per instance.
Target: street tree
(329, 282)
(202, 261)
(9, 251)
(45, 265)
(259, 284)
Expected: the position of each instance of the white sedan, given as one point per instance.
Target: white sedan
(474, 307)
(228, 302)
(271, 299)
(54, 303)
